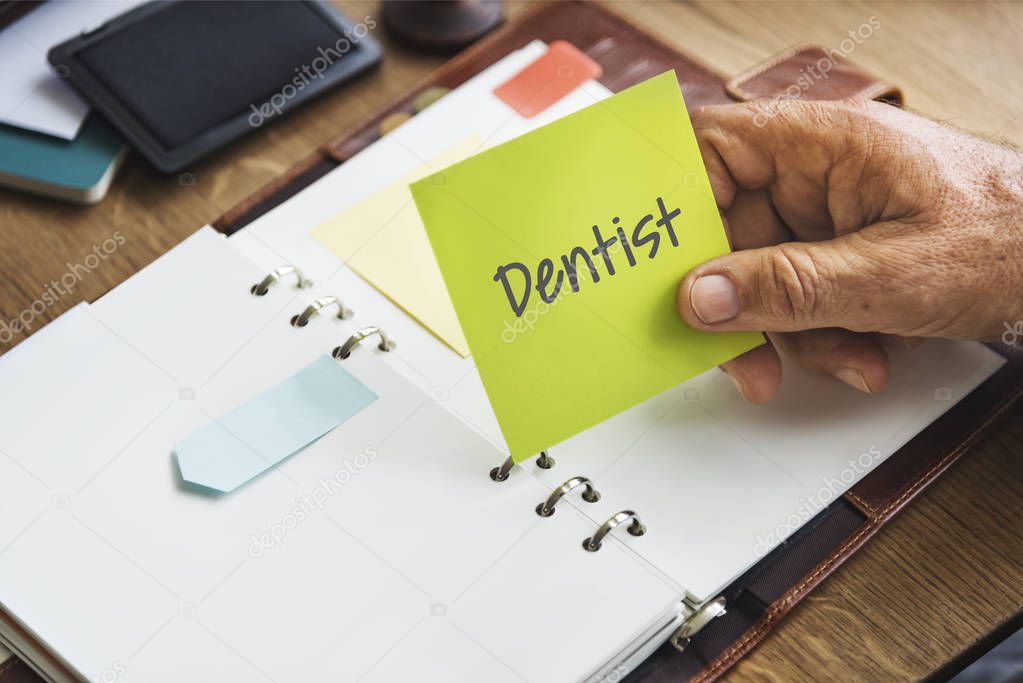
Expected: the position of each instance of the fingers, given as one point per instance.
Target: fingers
(859, 360)
(739, 150)
(756, 374)
(799, 286)
(752, 222)
(721, 182)
(817, 161)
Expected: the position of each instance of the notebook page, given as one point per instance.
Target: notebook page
(726, 481)
(36, 455)
(190, 310)
(401, 528)
(42, 468)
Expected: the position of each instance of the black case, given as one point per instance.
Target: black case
(67, 60)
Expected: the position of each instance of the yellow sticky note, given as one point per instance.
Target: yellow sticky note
(563, 251)
(382, 239)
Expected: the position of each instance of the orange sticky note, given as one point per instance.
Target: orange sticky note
(563, 69)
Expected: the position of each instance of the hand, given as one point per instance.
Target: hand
(884, 225)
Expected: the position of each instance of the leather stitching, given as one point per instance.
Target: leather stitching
(864, 506)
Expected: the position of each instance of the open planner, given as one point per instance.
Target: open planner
(401, 543)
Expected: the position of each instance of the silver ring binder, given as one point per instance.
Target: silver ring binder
(316, 307)
(695, 622)
(276, 274)
(590, 495)
(501, 473)
(345, 350)
(636, 528)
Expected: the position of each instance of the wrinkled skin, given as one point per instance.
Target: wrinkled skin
(854, 225)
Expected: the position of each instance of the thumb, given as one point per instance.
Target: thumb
(791, 287)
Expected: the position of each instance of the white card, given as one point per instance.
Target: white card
(34, 95)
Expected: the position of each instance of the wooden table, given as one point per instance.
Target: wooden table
(944, 574)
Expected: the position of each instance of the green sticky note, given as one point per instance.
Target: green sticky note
(563, 250)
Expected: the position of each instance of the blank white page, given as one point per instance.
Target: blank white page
(190, 310)
(71, 375)
(720, 481)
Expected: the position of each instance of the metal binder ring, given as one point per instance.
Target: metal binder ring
(636, 528)
(695, 622)
(545, 461)
(501, 473)
(317, 306)
(590, 495)
(276, 274)
(345, 350)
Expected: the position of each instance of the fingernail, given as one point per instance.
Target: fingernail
(714, 299)
(740, 387)
(853, 378)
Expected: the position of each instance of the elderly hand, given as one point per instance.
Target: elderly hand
(850, 220)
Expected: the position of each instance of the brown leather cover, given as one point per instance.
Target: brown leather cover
(761, 598)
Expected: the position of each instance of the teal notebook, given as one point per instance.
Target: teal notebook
(78, 170)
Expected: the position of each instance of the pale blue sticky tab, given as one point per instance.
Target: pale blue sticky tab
(266, 429)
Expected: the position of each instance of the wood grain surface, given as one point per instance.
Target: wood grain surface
(943, 574)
